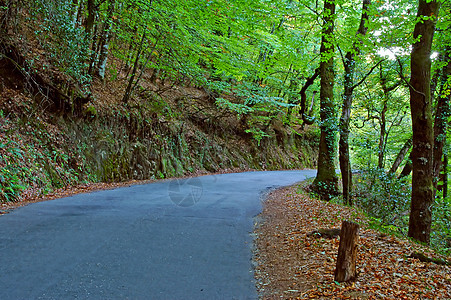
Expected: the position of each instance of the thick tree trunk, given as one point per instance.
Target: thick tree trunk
(347, 252)
(421, 110)
(343, 145)
(326, 181)
(400, 157)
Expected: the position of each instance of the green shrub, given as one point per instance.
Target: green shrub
(383, 197)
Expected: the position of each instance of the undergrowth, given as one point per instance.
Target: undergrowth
(386, 201)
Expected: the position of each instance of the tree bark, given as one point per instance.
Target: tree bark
(441, 117)
(343, 145)
(400, 157)
(308, 83)
(128, 90)
(91, 17)
(421, 110)
(105, 41)
(326, 181)
(444, 177)
(407, 167)
(347, 252)
(382, 136)
(74, 12)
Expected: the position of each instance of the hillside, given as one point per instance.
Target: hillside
(166, 129)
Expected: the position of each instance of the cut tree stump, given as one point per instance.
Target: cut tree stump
(347, 252)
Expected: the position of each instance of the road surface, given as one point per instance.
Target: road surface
(175, 239)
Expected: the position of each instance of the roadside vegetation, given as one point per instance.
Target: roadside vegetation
(106, 91)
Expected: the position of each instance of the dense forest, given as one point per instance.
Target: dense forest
(105, 90)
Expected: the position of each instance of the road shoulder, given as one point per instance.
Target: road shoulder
(291, 263)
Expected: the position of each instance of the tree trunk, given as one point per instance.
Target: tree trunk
(74, 12)
(347, 252)
(407, 167)
(421, 110)
(326, 181)
(104, 41)
(382, 119)
(402, 153)
(128, 91)
(382, 136)
(94, 47)
(91, 17)
(79, 17)
(303, 110)
(441, 117)
(444, 177)
(343, 145)
(147, 61)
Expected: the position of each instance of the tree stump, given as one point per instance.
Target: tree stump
(347, 252)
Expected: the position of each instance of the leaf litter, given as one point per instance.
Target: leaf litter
(292, 263)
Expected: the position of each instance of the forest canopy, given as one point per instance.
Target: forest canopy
(351, 71)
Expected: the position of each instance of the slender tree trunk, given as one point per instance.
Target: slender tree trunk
(400, 157)
(382, 136)
(105, 41)
(129, 52)
(326, 181)
(128, 90)
(407, 167)
(343, 145)
(147, 61)
(74, 12)
(91, 17)
(79, 16)
(94, 47)
(441, 117)
(421, 110)
(308, 83)
(444, 177)
(383, 120)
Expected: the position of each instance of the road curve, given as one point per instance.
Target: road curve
(175, 239)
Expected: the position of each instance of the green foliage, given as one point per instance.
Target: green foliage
(383, 197)
(11, 185)
(66, 45)
(441, 223)
(253, 103)
(38, 164)
(253, 56)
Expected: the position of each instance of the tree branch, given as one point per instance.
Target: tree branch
(367, 74)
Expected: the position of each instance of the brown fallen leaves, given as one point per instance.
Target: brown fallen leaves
(292, 265)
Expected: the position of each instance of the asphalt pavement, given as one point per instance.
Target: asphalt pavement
(174, 239)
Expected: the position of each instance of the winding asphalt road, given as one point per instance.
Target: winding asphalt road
(179, 239)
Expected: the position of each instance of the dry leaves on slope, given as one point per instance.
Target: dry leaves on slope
(290, 264)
